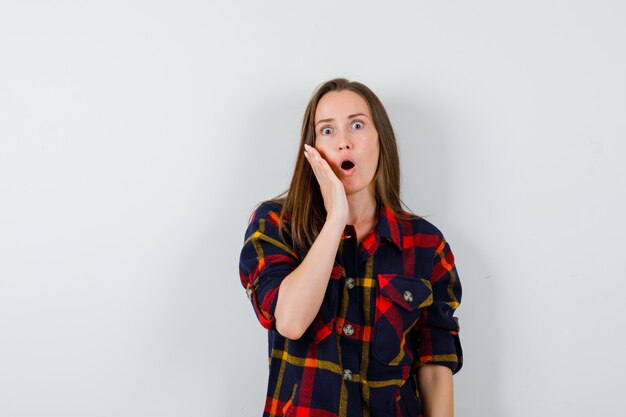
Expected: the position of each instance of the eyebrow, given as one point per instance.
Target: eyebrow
(349, 117)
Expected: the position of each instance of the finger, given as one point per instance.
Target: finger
(327, 169)
(321, 168)
(314, 152)
(311, 158)
(317, 157)
(314, 158)
(314, 163)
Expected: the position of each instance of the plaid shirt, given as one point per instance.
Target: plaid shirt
(388, 309)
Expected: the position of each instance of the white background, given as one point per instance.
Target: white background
(137, 137)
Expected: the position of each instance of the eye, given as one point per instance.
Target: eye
(357, 125)
(327, 131)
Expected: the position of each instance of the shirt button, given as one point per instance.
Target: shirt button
(249, 293)
(348, 330)
(408, 296)
(347, 375)
(350, 283)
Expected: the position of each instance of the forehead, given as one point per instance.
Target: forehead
(340, 104)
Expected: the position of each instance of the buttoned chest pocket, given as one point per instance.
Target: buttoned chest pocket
(399, 304)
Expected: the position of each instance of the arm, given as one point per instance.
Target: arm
(301, 293)
(440, 354)
(437, 334)
(436, 390)
(287, 292)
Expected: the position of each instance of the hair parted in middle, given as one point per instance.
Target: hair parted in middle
(303, 206)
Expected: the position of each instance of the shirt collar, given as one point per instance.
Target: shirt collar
(388, 226)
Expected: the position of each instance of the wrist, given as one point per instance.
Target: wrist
(335, 222)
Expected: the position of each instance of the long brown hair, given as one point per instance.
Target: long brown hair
(303, 206)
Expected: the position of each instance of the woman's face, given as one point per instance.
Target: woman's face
(346, 138)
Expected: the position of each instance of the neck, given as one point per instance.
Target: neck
(362, 207)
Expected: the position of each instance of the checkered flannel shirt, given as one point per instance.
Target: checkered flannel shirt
(388, 309)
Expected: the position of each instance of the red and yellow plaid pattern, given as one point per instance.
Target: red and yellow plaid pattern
(388, 309)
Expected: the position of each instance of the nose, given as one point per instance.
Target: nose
(343, 142)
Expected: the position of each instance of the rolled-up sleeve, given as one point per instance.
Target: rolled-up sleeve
(438, 334)
(265, 260)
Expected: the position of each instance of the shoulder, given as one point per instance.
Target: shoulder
(268, 210)
(266, 219)
(419, 224)
(425, 226)
(425, 233)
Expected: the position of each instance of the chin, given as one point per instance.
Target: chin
(361, 187)
(354, 189)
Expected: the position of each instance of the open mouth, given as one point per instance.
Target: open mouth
(347, 165)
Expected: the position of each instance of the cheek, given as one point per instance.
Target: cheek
(321, 149)
(374, 150)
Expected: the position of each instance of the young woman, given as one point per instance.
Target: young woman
(357, 294)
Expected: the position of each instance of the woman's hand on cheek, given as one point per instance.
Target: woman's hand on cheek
(332, 189)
